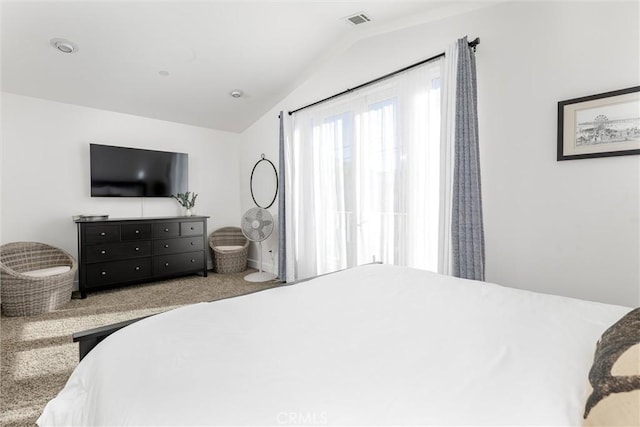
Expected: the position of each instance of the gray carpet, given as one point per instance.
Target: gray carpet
(37, 353)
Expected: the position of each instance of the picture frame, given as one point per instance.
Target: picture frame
(602, 125)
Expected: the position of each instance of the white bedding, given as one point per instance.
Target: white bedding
(374, 345)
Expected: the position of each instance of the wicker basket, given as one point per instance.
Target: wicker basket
(229, 261)
(24, 295)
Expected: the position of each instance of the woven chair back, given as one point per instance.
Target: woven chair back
(27, 256)
(228, 236)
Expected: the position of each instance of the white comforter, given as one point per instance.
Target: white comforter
(377, 345)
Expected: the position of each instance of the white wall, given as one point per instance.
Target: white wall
(257, 140)
(569, 228)
(45, 168)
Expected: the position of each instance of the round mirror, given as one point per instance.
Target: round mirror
(264, 183)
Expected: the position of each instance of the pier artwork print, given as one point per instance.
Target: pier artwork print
(603, 125)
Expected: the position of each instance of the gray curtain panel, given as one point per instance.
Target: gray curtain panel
(467, 233)
(282, 227)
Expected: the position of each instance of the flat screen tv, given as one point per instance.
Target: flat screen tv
(133, 172)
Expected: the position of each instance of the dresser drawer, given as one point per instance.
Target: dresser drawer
(166, 229)
(170, 264)
(191, 229)
(174, 246)
(115, 251)
(102, 233)
(118, 271)
(135, 231)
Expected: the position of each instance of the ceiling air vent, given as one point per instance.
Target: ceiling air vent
(359, 18)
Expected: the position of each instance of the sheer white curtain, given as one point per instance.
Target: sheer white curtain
(364, 177)
(449, 78)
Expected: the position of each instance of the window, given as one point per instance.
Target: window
(365, 177)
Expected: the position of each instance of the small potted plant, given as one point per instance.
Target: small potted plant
(187, 200)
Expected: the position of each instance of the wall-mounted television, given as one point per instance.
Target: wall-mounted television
(134, 172)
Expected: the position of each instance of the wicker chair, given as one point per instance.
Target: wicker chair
(27, 295)
(229, 250)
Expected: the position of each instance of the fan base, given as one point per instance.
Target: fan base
(260, 276)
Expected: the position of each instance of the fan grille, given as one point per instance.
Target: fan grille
(257, 224)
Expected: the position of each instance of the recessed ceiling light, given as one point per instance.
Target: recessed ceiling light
(64, 46)
(236, 93)
(163, 73)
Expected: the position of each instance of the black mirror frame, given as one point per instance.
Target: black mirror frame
(263, 159)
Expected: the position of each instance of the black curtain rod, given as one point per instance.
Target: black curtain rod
(472, 45)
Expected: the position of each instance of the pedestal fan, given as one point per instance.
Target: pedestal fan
(257, 226)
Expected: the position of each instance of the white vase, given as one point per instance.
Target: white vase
(187, 212)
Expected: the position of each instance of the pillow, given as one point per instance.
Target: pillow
(615, 376)
(44, 272)
(227, 248)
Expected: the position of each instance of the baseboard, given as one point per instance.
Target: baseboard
(266, 266)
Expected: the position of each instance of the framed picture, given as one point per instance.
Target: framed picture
(607, 124)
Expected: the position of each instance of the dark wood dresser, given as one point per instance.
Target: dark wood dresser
(117, 252)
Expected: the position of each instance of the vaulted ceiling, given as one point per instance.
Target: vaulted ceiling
(179, 60)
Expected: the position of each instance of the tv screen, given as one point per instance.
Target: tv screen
(133, 172)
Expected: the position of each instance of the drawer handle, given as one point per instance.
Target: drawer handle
(192, 228)
(166, 246)
(103, 234)
(166, 229)
(103, 252)
(166, 264)
(193, 260)
(193, 243)
(137, 231)
(137, 249)
(104, 273)
(137, 268)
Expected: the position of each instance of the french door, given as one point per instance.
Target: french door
(364, 178)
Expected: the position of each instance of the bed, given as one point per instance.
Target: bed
(373, 345)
